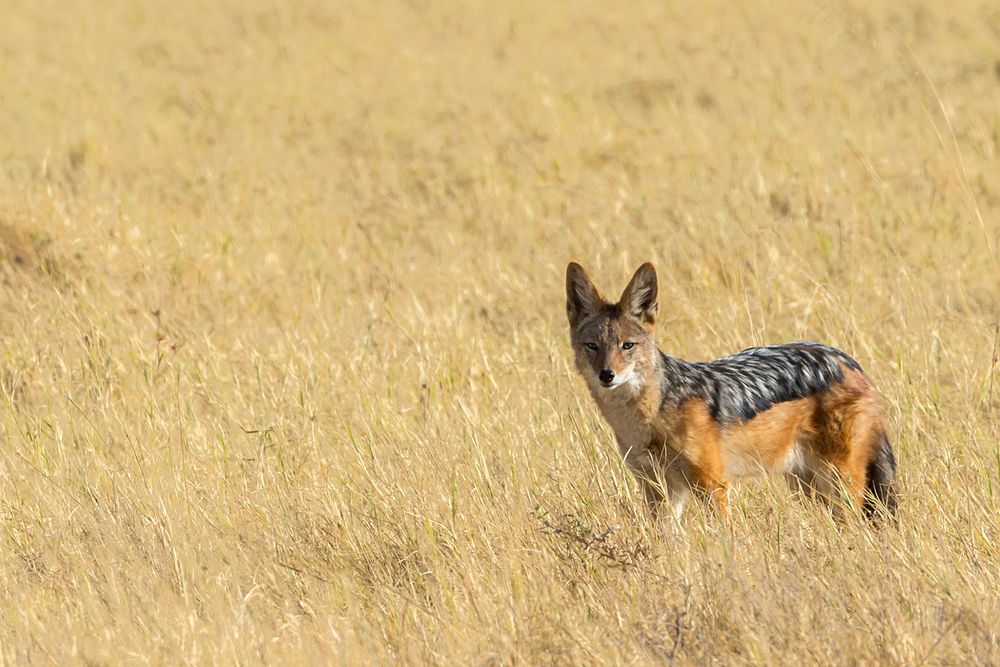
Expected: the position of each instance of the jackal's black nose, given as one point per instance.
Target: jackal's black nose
(606, 376)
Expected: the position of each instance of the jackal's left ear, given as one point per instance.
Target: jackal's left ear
(582, 298)
(639, 298)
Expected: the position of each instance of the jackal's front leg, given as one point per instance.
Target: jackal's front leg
(653, 494)
(661, 492)
(714, 493)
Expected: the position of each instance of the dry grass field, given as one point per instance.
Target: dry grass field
(284, 368)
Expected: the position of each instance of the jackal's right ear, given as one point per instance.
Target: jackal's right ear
(582, 298)
(639, 298)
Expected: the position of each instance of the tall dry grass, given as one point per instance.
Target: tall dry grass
(284, 364)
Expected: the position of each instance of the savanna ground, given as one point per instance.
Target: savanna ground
(284, 365)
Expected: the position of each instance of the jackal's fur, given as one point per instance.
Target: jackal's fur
(802, 409)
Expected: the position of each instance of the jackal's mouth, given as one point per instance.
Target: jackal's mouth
(614, 385)
(617, 379)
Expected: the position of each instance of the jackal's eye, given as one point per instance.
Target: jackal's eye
(592, 347)
(628, 345)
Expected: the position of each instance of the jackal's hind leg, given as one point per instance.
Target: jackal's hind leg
(829, 485)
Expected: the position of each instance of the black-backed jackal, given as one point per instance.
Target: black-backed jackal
(802, 409)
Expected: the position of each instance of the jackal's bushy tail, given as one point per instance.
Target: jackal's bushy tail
(880, 496)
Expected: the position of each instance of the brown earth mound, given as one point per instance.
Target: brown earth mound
(26, 253)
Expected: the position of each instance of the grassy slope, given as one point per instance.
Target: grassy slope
(284, 366)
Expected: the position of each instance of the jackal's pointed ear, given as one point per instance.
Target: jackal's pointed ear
(582, 298)
(639, 298)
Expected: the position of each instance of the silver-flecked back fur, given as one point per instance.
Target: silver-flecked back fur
(744, 384)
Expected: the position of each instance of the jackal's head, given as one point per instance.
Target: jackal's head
(614, 342)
